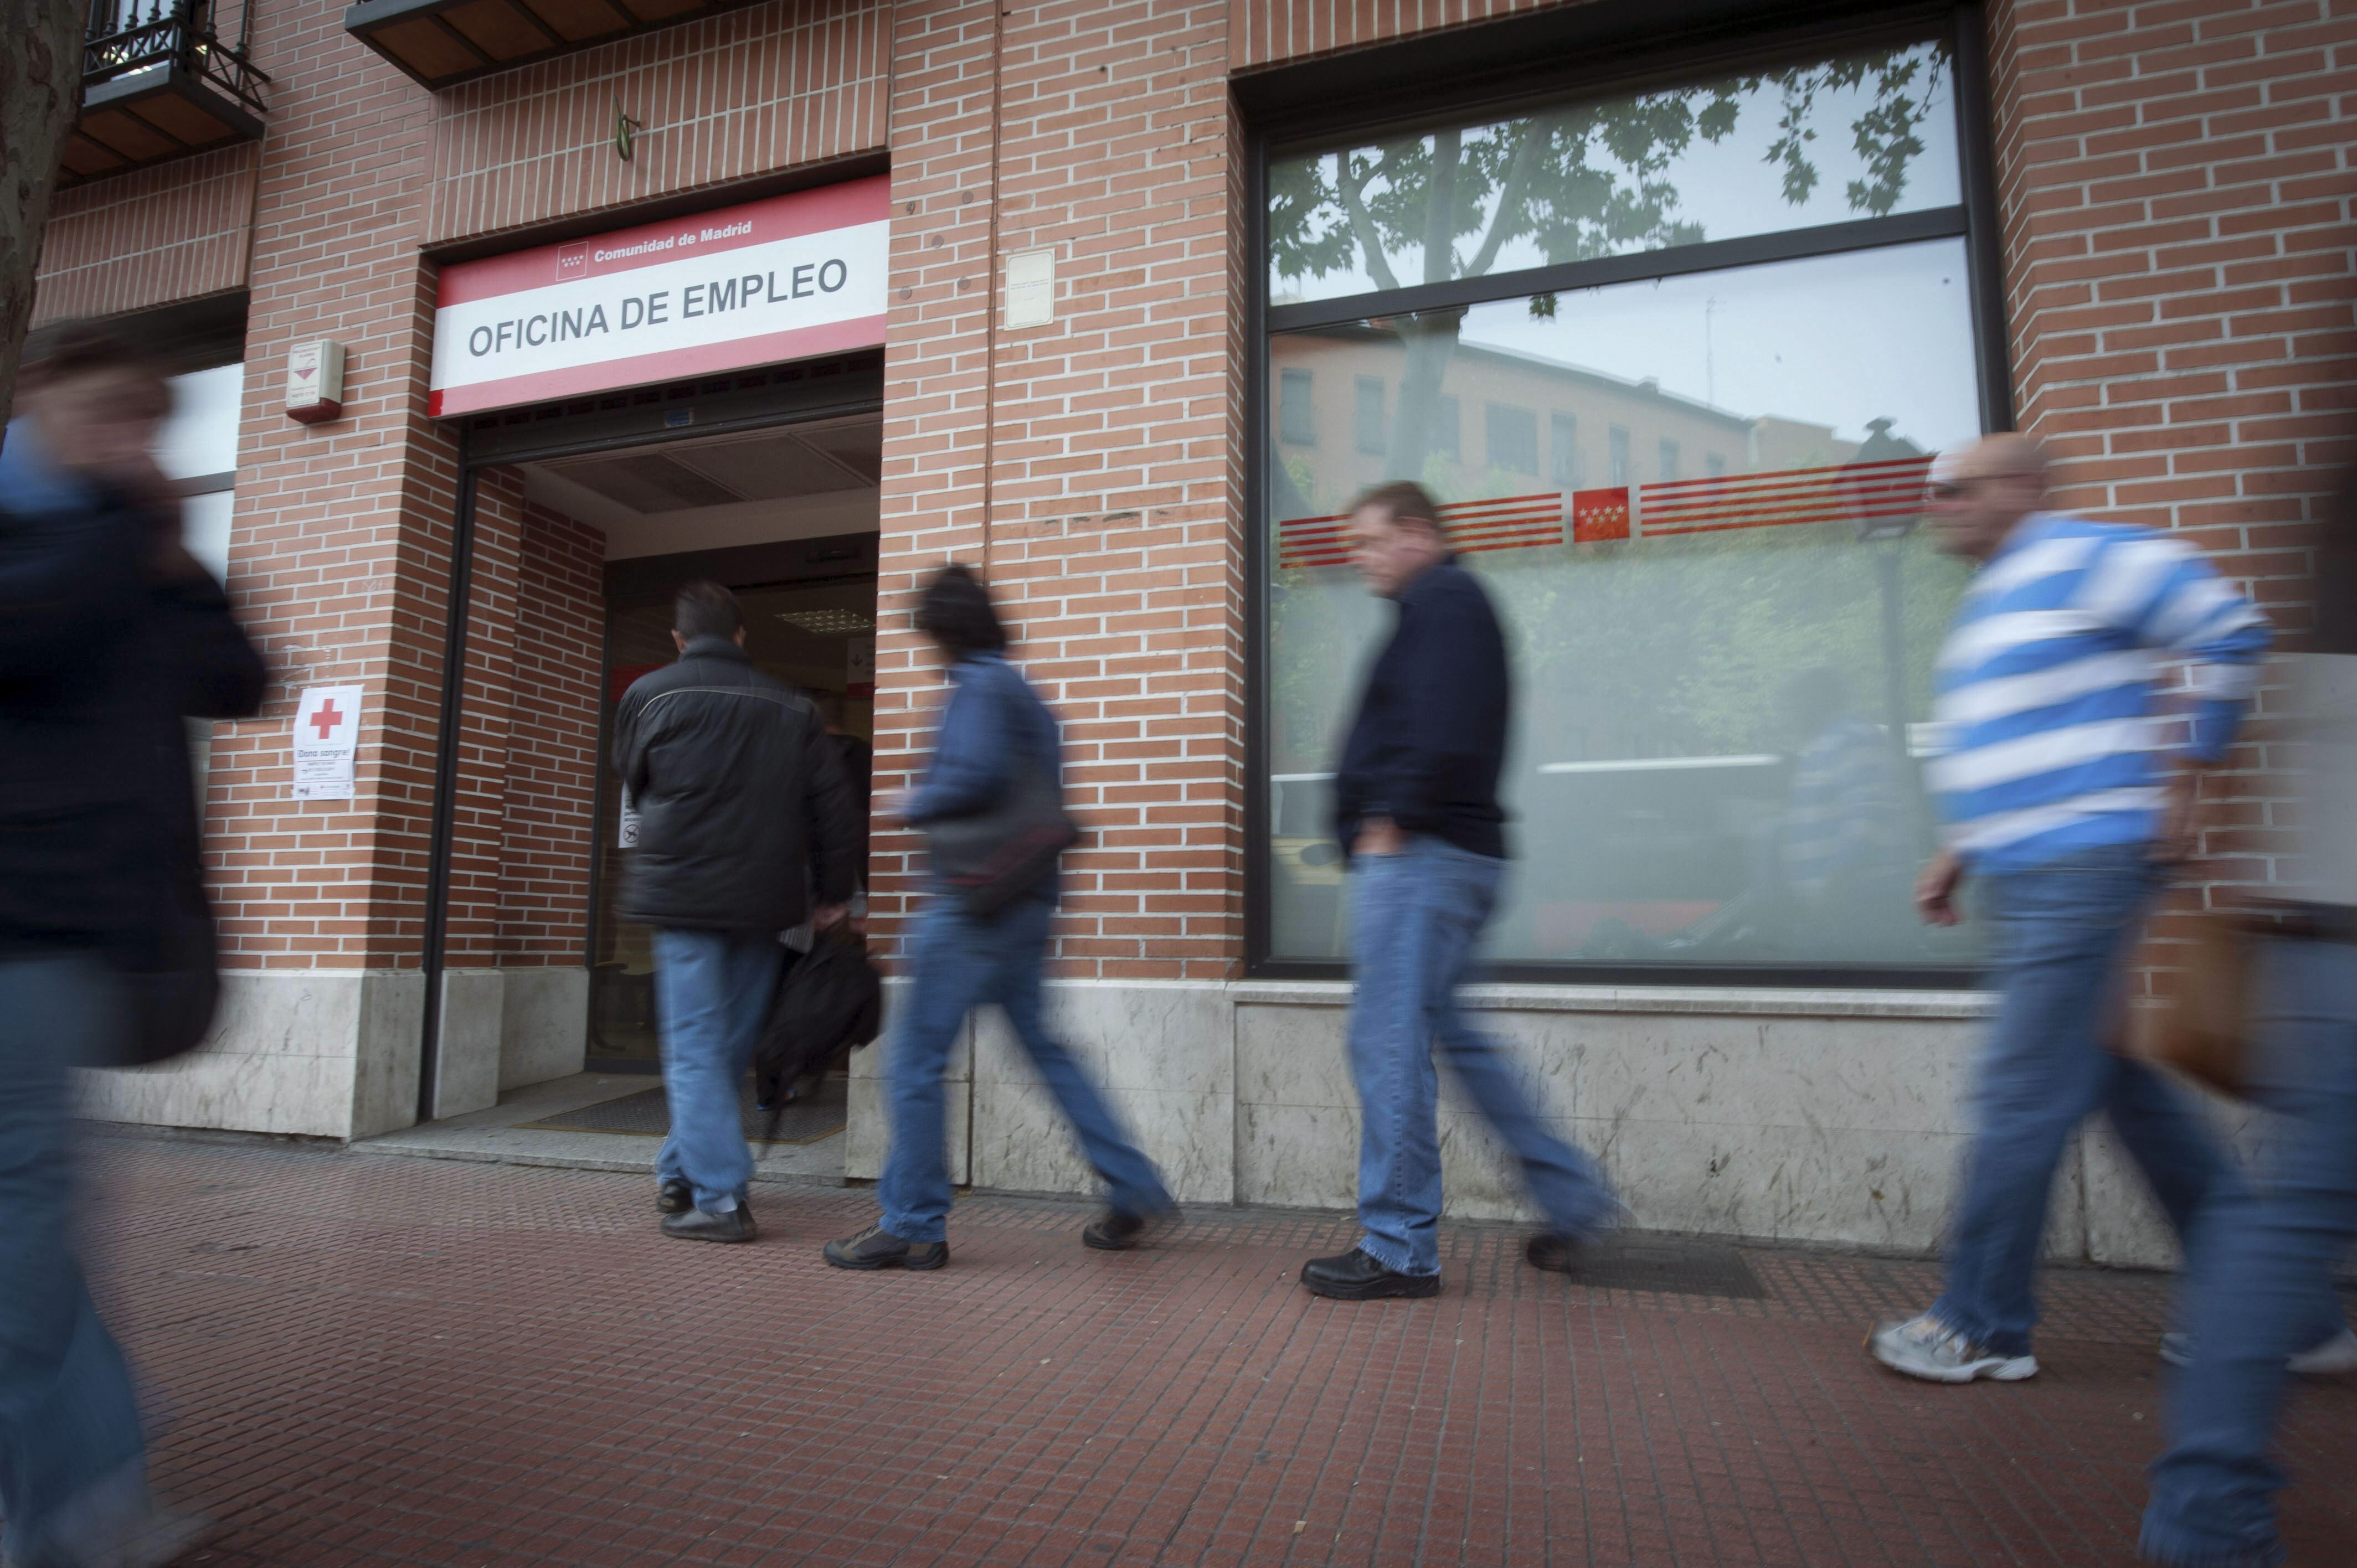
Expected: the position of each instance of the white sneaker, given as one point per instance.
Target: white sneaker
(2337, 1357)
(1928, 1348)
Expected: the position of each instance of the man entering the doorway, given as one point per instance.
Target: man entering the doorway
(1417, 812)
(742, 811)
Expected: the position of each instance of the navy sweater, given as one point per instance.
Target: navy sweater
(1430, 737)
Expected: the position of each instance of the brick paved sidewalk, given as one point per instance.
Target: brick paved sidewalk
(361, 1360)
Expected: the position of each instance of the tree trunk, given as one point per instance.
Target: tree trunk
(40, 93)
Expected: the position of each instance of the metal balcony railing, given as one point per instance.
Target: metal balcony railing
(161, 78)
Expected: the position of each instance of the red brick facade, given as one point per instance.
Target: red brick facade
(2175, 190)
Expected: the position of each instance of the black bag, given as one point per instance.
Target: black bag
(171, 986)
(1004, 851)
(830, 1001)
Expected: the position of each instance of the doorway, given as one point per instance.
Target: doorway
(786, 518)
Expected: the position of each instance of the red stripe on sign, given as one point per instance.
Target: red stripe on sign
(1508, 522)
(671, 364)
(843, 206)
(1851, 492)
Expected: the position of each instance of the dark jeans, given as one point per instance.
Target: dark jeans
(2266, 1257)
(72, 1458)
(963, 963)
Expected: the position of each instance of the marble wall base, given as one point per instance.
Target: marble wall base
(543, 1025)
(1837, 1117)
(320, 1053)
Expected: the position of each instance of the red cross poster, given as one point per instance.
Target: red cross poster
(326, 740)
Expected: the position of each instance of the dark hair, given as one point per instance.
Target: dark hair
(1406, 501)
(956, 611)
(88, 349)
(704, 609)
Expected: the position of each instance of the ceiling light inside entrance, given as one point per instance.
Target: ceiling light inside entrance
(828, 623)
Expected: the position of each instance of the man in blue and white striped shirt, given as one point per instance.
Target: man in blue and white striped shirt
(2068, 784)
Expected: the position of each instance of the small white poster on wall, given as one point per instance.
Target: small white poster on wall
(327, 742)
(628, 836)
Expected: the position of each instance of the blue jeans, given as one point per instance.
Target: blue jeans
(962, 963)
(2266, 1257)
(71, 1457)
(713, 990)
(2062, 934)
(1415, 917)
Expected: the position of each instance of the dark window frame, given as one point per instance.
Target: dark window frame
(1484, 69)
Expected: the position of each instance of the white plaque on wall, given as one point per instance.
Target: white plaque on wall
(327, 742)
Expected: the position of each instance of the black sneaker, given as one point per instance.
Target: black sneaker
(674, 1197)
(701, 1225)
(1355, 1276)
(877, 1248)
(1554, 1252)
(1117, 1229)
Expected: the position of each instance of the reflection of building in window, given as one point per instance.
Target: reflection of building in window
(1714, 466)
(1563, 450)
(1617, 455)
(1446, 417)
(1669, 458)
(1296, 421)
(1368, 416)
(1513, 438)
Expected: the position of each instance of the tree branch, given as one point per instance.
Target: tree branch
(1362, 224)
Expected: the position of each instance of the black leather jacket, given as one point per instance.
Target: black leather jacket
(743, 810)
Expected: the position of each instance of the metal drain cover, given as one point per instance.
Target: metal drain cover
(1669, 1266)
(648, 1115)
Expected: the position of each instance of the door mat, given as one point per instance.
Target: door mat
(647, 1114)
(1670, 1267)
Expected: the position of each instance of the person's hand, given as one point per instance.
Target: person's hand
(2180, 817)
(1379, 835)
(1936, 889)
(828, 915)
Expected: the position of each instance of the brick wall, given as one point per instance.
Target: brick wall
(2177, 181)
(340, 550)
(151, 237)
(551, 761)
(765, 88)
(1264, 32)
(1091, 465)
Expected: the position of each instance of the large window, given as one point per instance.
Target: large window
(1721, 665)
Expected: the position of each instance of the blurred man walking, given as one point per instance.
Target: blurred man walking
(2065, 800)
(111, 635)
(2268, 1253)
(1417, 812)
(742, 811)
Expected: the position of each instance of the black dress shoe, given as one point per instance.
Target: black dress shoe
(674, 1197)
(1117, 1229)
(877, 1248)
(1355, 1276)
(1554, 1252)
(701, 1225)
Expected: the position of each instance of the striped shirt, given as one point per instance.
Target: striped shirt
(2047, 704)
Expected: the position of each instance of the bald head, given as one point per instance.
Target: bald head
(1979, 493)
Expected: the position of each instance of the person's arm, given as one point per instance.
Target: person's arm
(2166, 594)
(223, 675)
(630, 759)
(969, 764)
(830, 820)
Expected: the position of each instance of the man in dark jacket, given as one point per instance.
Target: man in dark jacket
(111, 635)
(1416, 809)
(742, 811)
